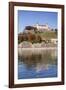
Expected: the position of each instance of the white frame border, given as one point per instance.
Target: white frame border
(43, 80)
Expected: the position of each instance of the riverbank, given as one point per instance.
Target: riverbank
(37, 45)
(45, 48)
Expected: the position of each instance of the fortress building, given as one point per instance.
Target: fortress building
(42, 27)
(37, 27)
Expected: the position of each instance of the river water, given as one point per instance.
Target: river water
(37, 63)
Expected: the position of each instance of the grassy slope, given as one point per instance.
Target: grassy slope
(48, 35)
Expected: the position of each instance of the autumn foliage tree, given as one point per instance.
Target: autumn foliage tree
(29, 37)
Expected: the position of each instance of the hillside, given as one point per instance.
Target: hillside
(37, 36)
(48, 34)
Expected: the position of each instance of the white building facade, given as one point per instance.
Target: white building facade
(42, 27)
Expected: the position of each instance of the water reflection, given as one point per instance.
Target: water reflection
(37, 63)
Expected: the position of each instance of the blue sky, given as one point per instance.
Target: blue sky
(26, 18)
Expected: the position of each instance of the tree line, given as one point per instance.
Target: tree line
(33, 38)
